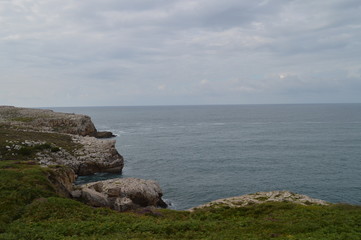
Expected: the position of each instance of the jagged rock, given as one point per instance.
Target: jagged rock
(94, 198)
(262, 197)
(93, 156)
(104, 134)
(98, 155)
(123, 194)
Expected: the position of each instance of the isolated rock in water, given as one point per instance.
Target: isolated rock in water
(122, 194)
(262, 197)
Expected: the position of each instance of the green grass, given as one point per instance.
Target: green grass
(30, 209)
(22, 119)
(10, 137)
(21, 183)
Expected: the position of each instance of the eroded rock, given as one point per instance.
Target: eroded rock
(262, 197)
(62, 178)
(104, 134)
(122, 194)
(48, 120)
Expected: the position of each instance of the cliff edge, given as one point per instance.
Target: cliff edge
(69, 145)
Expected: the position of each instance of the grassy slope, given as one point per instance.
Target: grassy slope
(30, 209)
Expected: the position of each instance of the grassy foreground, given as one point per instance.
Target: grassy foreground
(30, 209)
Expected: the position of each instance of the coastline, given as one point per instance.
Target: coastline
(39, 202)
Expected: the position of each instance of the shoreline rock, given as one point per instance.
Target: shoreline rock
(262, 197)
(121, 194)
(94, 155)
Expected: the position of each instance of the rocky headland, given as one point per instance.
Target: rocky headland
(70, 145)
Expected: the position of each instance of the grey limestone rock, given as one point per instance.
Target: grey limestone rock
(123, 194)
(262, 197)
(48, 120)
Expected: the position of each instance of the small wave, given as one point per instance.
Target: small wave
(120, 132)
(170, 204)
(210, 124)
(218, 124)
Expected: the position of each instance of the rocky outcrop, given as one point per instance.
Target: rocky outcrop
(121, 194)
(69, 145)
(48, 120)
(62, 178)
(104, 134)
(262, 197)
(92, 156)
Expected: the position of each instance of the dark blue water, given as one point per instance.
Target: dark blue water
(203, 153)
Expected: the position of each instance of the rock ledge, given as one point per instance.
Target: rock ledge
(262, 197)
(121, 194)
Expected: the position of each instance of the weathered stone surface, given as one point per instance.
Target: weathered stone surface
(123, 193)
(262, 197)
(63, 179)
(93, 156)
(48, 120)
(98, 155)
(94, 198)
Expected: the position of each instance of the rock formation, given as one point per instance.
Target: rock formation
(48, 120)
(63, 179)
(262, 197)
(92, 155)
(121, 194)
(80, 152)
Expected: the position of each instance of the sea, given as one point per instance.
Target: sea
(203, 153)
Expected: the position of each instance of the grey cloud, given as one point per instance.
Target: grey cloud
(152, 51)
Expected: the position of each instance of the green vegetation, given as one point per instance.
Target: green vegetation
(31, 209)
(22, 119)
(14, 146)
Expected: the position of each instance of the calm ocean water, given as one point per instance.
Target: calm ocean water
(202, 153)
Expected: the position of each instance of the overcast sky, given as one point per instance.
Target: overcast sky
(164, 52)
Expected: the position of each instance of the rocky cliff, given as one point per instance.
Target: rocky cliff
(72, 142)
(121, 194)
(48, 120)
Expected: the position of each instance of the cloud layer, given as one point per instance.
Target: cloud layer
(140, 52)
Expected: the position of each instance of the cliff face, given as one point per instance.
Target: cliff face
(47, 120)
(69, 145)
(39, 134)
